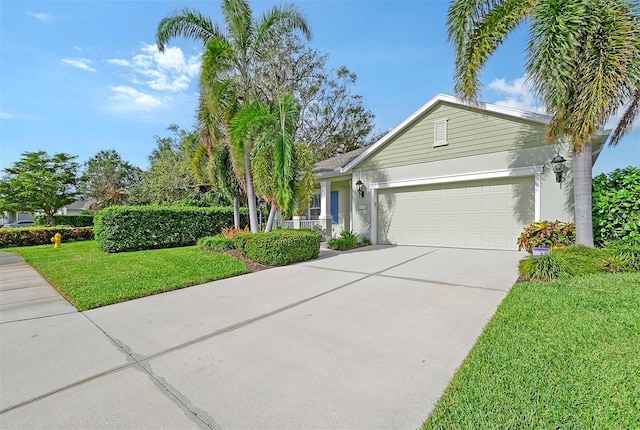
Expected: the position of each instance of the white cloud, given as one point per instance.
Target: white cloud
(15, 115)
(153, 81)
(42, 17)
(80, 63)
(170, 71)
(128, 98)
(118, 62)
(516, 94)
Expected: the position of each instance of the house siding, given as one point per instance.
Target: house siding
(470, 133)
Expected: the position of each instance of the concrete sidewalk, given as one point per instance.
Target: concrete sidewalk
(363, 339)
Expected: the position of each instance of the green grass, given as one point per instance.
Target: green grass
(90, 278)
(555, 355)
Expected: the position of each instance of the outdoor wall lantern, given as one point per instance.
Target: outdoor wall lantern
(360, 186)
(558, 166)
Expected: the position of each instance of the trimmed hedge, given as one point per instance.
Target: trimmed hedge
(134, 228)
(42, 236)
(71, 220)
(279, 247)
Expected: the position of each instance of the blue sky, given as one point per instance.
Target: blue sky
(82, 76)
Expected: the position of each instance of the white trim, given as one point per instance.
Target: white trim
(537, 185)
(475, 176)
(374, 216)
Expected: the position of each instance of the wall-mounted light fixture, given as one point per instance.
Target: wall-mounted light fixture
(558, 167)
(360, 186)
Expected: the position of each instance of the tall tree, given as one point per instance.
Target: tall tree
(108, 179)
(170, 178)
(583, 60)
(332, 118)
(240, 49)
(39, 182)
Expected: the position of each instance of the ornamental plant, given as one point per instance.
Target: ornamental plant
(547, 234)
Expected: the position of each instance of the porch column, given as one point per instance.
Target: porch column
(325, 208)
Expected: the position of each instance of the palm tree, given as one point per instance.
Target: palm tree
(233, 55)
(583, 61)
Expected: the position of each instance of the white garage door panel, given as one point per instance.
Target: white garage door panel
(480, 214)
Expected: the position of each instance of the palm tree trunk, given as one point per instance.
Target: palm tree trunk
(272, 217)
(236, 211)
(582, 171)
(251, 195)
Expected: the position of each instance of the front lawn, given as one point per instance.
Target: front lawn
(90, 278)
(564, 354)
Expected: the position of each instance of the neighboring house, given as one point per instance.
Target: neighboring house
(451, 174)
(8, 217)
(77, 207)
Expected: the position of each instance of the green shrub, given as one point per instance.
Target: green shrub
(216, 243)
(365, 241)
(545, 268)
(71, 220)
(616, 206)
(346, 241)
(133, 228)
(580, 260)
(547, 234)
(10, 237)
(279, 247)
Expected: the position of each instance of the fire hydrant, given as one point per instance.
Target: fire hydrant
(56, 239)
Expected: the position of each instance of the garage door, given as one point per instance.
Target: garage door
(480, 214)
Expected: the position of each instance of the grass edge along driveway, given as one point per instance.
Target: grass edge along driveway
(89, 278)
(558, 355)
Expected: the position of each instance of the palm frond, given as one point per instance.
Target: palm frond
(239, 19)
(476, 30)
(278, 19)
(628, 119)
(190, 24)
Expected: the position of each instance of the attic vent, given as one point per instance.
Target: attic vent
(440, 132)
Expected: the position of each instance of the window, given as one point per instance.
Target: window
(314, 207)
(440, 132)
(334, 207)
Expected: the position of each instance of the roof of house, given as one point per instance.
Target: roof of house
(81, 204)
(344, 163)
(338, 162)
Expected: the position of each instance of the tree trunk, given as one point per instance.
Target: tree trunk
(251, 195)
(582, 172)
(236, 211)
(52, 219)
(272, 217)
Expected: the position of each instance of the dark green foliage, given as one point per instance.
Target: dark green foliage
(545, 268)
(346, 241)
(547, 234)
(216, 243)
(10, 237)
(616, 206)
(72, 220)
(133, 228)
(279, 247)
(580, 260)
(39, 182)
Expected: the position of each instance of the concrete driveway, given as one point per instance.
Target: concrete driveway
(358, 340)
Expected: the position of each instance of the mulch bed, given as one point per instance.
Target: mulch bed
(251, 265)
